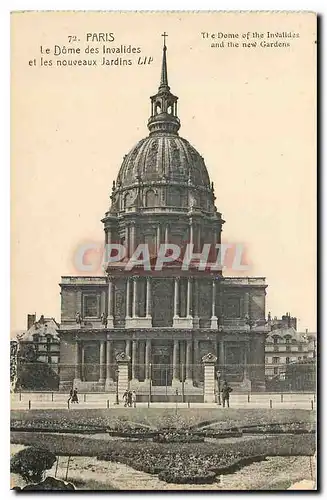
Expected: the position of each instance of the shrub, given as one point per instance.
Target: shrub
(37, 376)
(31, 463)
(50, 483)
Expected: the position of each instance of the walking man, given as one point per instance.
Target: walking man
(70, 396)
(134, 399)
(226, 390)
(75, 396)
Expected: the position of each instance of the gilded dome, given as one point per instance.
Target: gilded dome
(163, 158)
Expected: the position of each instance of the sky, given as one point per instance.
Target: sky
(250, 112)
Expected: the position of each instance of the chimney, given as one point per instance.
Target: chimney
(30, 320)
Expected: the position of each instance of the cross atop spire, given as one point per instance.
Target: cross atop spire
(164, 75)
(164, 35)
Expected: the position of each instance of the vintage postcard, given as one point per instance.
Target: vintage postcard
(163, 200)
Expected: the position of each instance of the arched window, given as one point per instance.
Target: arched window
(127, 200)
(157, 108)
(150, 198)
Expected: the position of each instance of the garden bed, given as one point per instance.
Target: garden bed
(174, 460)
(157, 418)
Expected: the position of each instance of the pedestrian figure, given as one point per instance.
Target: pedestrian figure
(70, 395)
(134, 399)
(226, 390)
(130, 399)
(75, 396)
(125, 398)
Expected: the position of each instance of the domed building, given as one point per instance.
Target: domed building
(165, 320)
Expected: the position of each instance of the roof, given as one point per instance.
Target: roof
(285, 332)
(42, 327)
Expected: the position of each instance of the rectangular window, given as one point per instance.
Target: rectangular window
(275, 360)
(276, 348)
(287, 360)
(275, 371)
(233, 307)
(91, 306)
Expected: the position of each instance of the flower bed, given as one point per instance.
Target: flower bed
(157, 418)
(281, 428)
(181, 476)
(155, 458)
(177, 437)
(217, 434)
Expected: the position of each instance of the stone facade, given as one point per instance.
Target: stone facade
(165, 321)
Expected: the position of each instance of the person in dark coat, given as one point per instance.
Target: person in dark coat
(70, 395)
(75, 396)
(226, 390)
(130, 399)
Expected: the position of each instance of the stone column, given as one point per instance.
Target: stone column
(108, 239)
(127, 241)
(214, 319)
(166, 234)
(110, 316)
(189, 379)
(134, 307)
(176, 298)
(148, 297)
(147, 358)
(82, 361)
(132, 240)
(128, 348)
(196, 370)
(109, 363)
(77, 360)
(221, 355)
(209, 361)
(189, 298)
(196, 319)
(123, 384)
(158, 238)
(176, 362)
(199, 238)
(102, 362)
(191, 232)
(134, 360)
(246, 360)
(246, 304)
(128, 298)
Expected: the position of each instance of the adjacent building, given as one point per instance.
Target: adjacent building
(41, 341)
(165, 321)
(285, 345)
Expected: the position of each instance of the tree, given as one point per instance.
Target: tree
(31, 463)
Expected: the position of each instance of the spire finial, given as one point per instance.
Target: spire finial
(164, 76)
